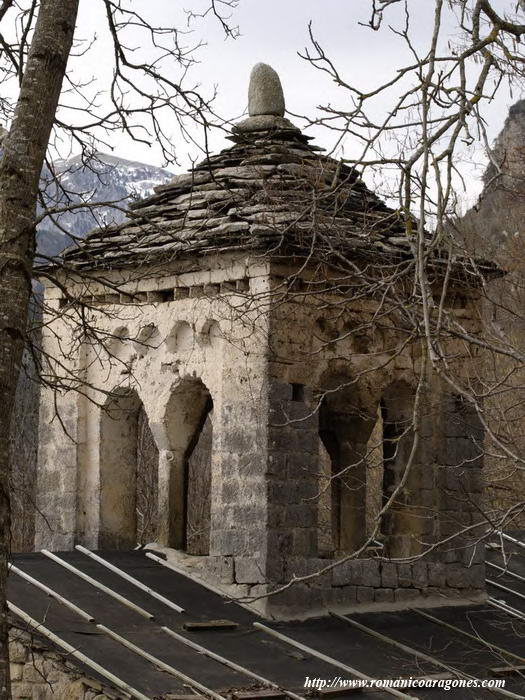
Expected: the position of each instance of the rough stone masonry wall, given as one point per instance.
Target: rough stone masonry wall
(38, 673)
(445, 485)
(453, 572)
(448, 486)
(266, 479)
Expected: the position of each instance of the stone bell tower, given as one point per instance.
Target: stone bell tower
(251, 312)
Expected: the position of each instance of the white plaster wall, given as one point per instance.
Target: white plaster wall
(213, 336)
(56, 492)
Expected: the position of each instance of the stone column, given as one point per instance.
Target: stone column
(352, 519)
(171, 498)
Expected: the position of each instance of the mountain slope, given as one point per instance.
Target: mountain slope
(104, 179)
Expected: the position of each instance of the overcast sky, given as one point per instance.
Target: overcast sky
(274, 31)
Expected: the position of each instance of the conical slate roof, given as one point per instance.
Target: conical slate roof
(271, 191)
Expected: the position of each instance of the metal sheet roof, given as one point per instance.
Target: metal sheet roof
(466, 641)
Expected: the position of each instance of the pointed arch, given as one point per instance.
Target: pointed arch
(345, 424)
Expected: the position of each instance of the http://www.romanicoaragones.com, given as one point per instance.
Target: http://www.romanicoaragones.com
(337, 682)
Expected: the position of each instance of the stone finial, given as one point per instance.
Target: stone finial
(265, 94)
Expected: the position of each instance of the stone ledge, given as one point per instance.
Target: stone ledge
(37, 671)
(354, 585)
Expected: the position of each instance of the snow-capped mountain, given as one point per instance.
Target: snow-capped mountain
(105, 178)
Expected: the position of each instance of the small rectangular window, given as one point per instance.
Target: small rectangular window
(298, 392)
(243, 285)
(167, 295)
(181, 292)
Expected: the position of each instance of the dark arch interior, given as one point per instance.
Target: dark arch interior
(346, 433)
(197, 484)
(128, 474)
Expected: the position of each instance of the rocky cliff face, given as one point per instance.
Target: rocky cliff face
(104, 179)
(495, 228)
(499, 216)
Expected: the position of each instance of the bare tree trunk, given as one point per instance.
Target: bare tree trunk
(20, 166)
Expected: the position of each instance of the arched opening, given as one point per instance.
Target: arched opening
(180, 338)
(198, 483)
(344, 430)
(326, 536)
(397, 416)
(374, 477)
(147, 490)
(363, 454)
(389, 450)
(189, 426)
(147, 338)
(128, 473)
(330, 491)
(117, 341)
